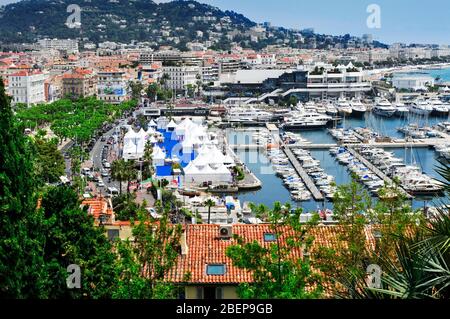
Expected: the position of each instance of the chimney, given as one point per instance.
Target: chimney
(183, 242)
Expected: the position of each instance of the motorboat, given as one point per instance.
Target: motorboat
(384, 108)
(439, 108)
(421, 107)
(401, 109)
(358, 108)
(306, 120)
(331, 109)
(343, 106)
(247, 115)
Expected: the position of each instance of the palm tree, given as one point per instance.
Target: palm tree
(163, 80)
(130, 173)
(118, 172)
(209, 203)
(420, 264)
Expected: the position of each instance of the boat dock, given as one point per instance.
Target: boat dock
(305, 177)
(375, 170)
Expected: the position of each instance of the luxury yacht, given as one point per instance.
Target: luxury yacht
(421, 107)
(358, 109)
(241, 115)
(306, 120)
(343, 106)
(401, 109)
(384, 108)
(439, 108)
(331, 109)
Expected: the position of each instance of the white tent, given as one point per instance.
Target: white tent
(171, 126)
(158, 156)
(183, 126)
(162, 123)
(152, 124)
(188, 146)
(130, 151)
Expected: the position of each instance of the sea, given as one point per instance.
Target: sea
(442, 74)
(273, 189)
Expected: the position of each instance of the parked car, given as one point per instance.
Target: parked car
(101, 184)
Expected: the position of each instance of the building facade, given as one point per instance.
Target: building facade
(112, 86)
(181, 76)
(80, 83)
(27, 87)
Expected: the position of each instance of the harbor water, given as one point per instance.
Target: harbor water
(273, 189)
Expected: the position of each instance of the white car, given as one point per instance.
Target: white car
(101, 184)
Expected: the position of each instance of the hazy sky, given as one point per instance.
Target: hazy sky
(401, 20)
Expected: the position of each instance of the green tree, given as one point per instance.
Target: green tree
(209, 203)
(348, 258)
(277, 272)
(49, 164)
(72, 238)
(136, 90)
(21, 262)
(152, 91)
(118, 172)
(145, 263)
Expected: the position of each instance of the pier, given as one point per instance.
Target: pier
(375, 170)
(305, 177)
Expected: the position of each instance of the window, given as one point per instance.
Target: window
(270, 237)
(215, 270)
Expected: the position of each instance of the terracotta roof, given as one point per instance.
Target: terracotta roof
(204, 247)
(98, 207)
(25, 73)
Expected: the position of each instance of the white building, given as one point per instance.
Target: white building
(112, 86)
(69, 45)
(26, 87)
(413, 83)
(181, 76)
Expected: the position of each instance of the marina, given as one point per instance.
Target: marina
(369, 130)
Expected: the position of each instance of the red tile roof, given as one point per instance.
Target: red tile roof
(98, 207)
(205, 247)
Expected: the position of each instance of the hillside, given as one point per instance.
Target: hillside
(174, 23)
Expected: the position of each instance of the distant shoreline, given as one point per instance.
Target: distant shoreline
(407, 68)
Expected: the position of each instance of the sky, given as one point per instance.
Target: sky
(409, 21)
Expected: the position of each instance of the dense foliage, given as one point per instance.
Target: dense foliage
(78, 119)
(43, 230)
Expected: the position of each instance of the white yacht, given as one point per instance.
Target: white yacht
(306, 120)
(401, 109)
(421, 107)
(244, 115)
(343, 106)
(384, 108)
(358, 108)
(331, 109)
(439, 108)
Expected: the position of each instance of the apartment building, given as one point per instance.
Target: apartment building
(112, 86)
(181, 75)
(79, 83)
(68, 45)
(27, 87)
